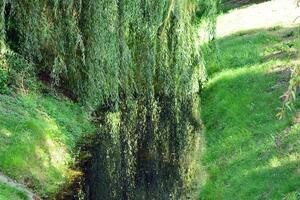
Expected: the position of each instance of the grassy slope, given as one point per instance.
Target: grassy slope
(9, 193)
(38, 135)
(250, 154)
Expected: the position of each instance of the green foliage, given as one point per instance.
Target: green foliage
(3, 80)
(289, 97)
(151, 54)
(46, 34)
(38, 136)
(250, 153)
(16, 73)
(136, 65)
(208, 10)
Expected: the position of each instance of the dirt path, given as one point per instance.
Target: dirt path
(284, 13)
(6, 180)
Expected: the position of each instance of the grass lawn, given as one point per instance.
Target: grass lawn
(250, 154)
(38, 135)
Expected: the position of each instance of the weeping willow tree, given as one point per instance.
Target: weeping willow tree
(136, 66)
(150, 118)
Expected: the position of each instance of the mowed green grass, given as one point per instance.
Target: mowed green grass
(10, 193)
(38, 136)
(250, 154)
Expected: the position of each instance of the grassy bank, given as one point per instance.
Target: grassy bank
(38, 136)
(250, 153)
(10, 193)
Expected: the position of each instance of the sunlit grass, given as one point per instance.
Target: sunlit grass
(239, 50)
(250, 153)
(38, 136)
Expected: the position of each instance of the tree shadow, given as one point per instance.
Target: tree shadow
(239, 103)
(248, 48)
(228, 5)
(241, 131)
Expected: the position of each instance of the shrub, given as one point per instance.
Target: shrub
(3, 78)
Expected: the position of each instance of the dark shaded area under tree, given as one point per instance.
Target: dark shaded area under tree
(228, 5)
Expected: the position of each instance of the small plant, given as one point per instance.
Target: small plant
(3, 78)
(20, 72)
(289, 97)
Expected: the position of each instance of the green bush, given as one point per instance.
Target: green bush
(21, 72)
(16, 74)
(3, 79)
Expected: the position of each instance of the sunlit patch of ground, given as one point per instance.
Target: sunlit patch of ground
(38, 137)
(282, 13)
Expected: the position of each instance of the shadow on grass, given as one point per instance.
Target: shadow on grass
(241, 130)
(248, 48)
(249, 155)
(228, 5)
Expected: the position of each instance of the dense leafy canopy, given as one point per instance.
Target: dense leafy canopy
(136, 65)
